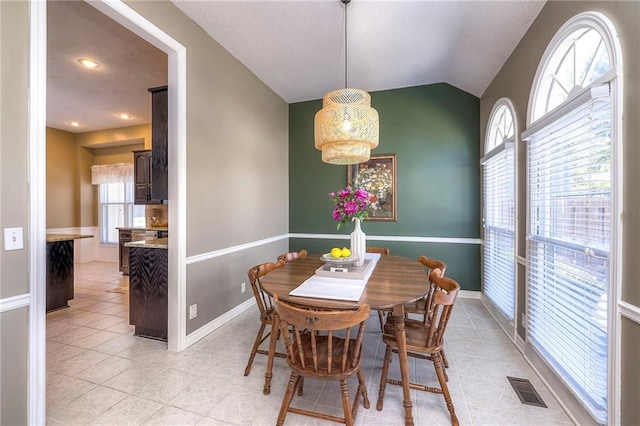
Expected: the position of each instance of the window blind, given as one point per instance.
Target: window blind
(116, 209)
(499, 230)
(569, 227)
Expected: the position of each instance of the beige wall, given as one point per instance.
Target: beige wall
(14, 354)
(514, 82)
(91, 151)
(116, 154)
(87, 205)
(14, 76)
(101, 138)
(631, 382)
(237, 164)
(71, 198)
(62, 180)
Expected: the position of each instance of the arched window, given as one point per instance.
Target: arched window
(576, 62)
(573, 139)
(498, 172)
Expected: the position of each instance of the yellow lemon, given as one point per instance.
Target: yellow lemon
(336, 252)
(345, 252)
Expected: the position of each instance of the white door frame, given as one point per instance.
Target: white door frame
(177, 61)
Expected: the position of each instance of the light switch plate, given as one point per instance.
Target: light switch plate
(13, 239)
(193, 311)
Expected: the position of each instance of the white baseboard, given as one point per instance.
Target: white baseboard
(105, 259)
(218, 322)
(469, 294)
(520, 343)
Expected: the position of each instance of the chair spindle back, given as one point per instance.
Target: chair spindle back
(431, 265)
(264, 301)
(445, 292)
(293, 255)
(328, 339)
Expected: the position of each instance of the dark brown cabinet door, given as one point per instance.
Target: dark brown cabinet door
(142, 178)
(159, 145)
(124, 237)
(59, 274)
(148, 292)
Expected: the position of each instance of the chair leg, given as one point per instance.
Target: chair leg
(288, 396)
(381, 319)
(346, 407)
(254, 350)
(363, 385)
(301, 386)
(437, 363)
(445, 361)
(383, 377)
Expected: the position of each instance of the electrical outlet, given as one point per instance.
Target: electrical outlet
(13, 239)
(193, 311)
(242, 287)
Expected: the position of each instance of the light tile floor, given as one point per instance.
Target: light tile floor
(98, 373)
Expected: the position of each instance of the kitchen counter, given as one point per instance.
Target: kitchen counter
(52, 238)
(148, 287)
(143, 228)
(157, 243)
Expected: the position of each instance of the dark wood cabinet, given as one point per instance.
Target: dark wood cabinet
(159, 143)
(143, 178)
(59, 274)
(148, 292)
(124, 237)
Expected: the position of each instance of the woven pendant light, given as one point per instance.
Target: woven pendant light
(346, 128)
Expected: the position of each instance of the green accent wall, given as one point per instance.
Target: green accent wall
(434, 131)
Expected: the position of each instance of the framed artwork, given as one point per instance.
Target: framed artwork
(379, 178)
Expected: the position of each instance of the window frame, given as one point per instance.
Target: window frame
(492, 149)
(614, 77)
(128, 211)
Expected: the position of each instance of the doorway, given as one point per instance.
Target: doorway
(176, 53)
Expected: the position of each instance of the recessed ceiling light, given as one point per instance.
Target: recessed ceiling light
(125, 116)
(89, 63)
(75, 123)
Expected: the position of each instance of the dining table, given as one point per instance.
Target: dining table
(395, 281)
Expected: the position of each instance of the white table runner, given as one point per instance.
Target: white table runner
(336, 288)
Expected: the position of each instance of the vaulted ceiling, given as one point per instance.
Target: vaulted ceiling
(297, 48)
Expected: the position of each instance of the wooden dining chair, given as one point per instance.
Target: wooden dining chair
(385, 252)
(424, 340)
(420, 306)
(381, 250)
(323, 345)
(292, 255)
(266, 307)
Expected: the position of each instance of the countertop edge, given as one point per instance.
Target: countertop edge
(52, 238)
(143, 228)
(156, 243)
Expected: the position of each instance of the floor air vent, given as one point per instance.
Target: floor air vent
(526, 392)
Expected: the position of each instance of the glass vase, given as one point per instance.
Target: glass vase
(358, 243)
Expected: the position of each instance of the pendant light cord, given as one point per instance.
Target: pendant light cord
(346, 63)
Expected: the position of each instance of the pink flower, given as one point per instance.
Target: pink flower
(361, 194)
(349, 203)
(350, 207)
